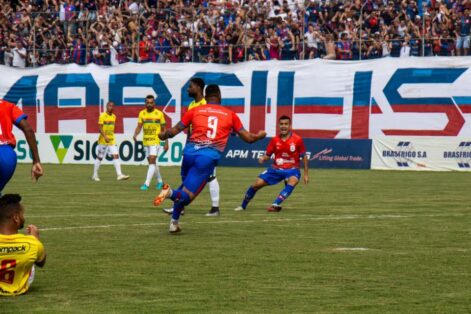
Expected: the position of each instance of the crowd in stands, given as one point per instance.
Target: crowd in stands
(109, 32)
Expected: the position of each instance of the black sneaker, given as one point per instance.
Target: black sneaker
(214, 212)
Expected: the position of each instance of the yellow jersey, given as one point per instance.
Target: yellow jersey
(152, 123)
(195, 104)
(107, 121)
(18, 253)
(192, 105)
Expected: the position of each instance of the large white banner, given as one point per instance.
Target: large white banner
(414, 153)
(326, 99)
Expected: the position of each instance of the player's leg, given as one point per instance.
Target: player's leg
(113, 150)
(157, 174)
(251, 191)
(214, 193)
(151, 152)
(200, 170)
(292, 179)
(7, 165)
(187, 163)
(268, 177)
(100, 153)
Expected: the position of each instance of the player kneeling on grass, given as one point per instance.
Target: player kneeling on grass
(107, 143)
(288, 148)
(212, 125)
(18, 252)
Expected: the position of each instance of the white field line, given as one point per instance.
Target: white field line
(274, 219)
(232, 214)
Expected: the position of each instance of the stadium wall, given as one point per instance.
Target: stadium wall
(423, 101)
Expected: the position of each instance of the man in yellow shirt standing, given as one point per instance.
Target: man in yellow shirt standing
(18, 252)
(107, 143)
(195, 91)
(152, 121)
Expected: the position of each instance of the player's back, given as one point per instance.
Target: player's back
(18, 253)
(211, 125)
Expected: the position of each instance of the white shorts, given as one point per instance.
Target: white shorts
(152, 150)
(103, 150)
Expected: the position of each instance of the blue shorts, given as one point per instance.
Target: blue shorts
(196, 170)
(273, 176)
(7, 164)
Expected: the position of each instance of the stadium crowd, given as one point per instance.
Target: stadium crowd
(109, 32)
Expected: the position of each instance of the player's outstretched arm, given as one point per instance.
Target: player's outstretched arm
(248, 137)
(169, 133)
(36, 170)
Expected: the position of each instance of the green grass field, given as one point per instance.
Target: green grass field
(109, 249)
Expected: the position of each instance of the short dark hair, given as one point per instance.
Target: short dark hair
(198, 82)
(212, 90)
(150, 97)
(284, 117)
(9, 206)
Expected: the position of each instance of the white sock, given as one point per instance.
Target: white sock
(96, 167)
(117, 166)
(158, 176)
(150, 173)
(214, 192)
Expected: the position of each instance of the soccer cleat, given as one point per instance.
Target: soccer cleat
(174, 227)
(274, 208)
(96, 179)
(169, 211)
(239, 209)
(159, 185)
(214, 212)
(144, 187)
(122, 177)
(163, 195)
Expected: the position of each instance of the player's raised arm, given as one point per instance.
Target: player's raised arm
(36, 170)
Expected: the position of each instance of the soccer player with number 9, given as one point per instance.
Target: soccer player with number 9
(212, 125)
